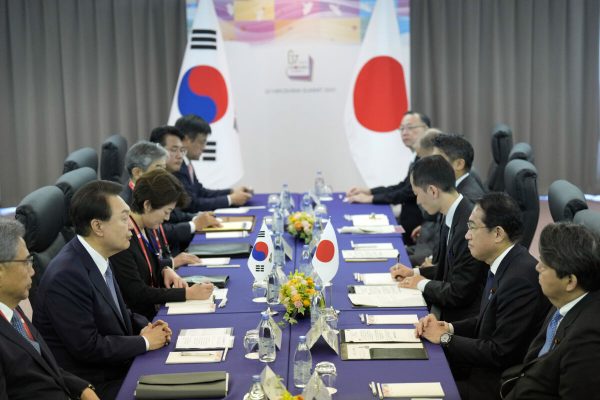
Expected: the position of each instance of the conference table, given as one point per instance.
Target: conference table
(242, 314)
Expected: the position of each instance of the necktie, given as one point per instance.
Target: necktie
(111, 287)
(18, 325)
(550, 333)
(191, 171)
(487, 291)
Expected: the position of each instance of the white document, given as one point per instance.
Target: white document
(220, 294)
(360, 351)
(378, 246)
(183, 308)
(368, 254)
(380, 336)
(211, 261)
(402, 319)
(424, 389)
(378, 278)
(370, 220)
(235, 225)
(190, 303)
(206, 332)
(232, 210)
(204, 342)
(367, 229)
(226, 235)
(194, 357)
(386, 296)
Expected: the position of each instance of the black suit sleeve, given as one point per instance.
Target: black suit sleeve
(131, 270)
(179, 236)
(396, 194)
(515, 305)
(202, 199)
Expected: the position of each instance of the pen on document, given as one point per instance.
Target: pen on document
(198, 353)
(379, 392)
(225, 353)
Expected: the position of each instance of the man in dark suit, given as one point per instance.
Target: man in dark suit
(179, 164)
(459, 153)
(562, 361)
(512, 307)
(80, 311)
(144, 157)
(412, 128)
(28, 369)
(453, 286)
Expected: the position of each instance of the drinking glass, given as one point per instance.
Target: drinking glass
(327, 372)
(259, 291)
(273, 201)
(251, 344)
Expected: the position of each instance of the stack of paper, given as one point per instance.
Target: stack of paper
(388, 319)
(369, 229)
(201, 339)
(370, 220)
(377, 278)
(377, 246)
(378, 344)
(191, 307)
(407, 390)
(369, 254)
(385, 296)
(194, 357)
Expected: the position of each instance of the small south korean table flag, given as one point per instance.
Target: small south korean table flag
(260, 261)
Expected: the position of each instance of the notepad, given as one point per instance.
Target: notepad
(378, 335)
(191, 307)
(388, 319)
(383, 351)
(370, 220)
(245, 223)
(226, 235)
(422, 389)
(369, 229)
(369, 254)
(377, 279)
(385, 296)
(211, 338)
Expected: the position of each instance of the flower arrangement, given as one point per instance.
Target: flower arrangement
(288, 396)
(301, 224)
(295, 295)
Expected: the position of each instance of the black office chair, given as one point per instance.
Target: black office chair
(521, 151)
(42, 214)
(69, 184)
(84, 157)
(565, 200)
(520, 178)
(112, 158)
(502, 143)
(588, 218)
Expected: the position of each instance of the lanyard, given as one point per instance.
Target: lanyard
(143, 245)
(131, 185)
(29, 335)
(167, 252)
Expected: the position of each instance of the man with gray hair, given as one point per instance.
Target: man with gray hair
(27, 367)
(145, 156)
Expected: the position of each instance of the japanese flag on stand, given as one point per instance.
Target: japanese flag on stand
(260, 261)
(378, 99)
(327, 259)
(203, 89)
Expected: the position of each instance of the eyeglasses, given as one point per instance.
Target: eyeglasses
(28, 261)
(409, 127)
(471, 226)
(181, 150)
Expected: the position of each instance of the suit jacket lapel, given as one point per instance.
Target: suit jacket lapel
(100, 284)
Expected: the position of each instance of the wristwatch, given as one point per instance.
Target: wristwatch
(445, 339)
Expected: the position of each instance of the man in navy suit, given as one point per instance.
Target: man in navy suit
(512, 308)
(562, 361)
(453, 286)
(28, 369)
(179, 164)
(80, 311)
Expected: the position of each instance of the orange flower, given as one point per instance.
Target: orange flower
(306, 303)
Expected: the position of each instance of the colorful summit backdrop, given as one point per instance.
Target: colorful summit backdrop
(291, 69)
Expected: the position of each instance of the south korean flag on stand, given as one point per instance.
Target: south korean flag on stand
(204, 89)
(260, 261)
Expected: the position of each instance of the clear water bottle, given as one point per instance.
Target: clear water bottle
(277, 221)
(317, 304)
(316, 234)
(307, 206)
(266, 341)
(286, 199)
(319, 185)
(273, 286)
(278, 252)
(302, 363)
(304, 265)
(256, 391)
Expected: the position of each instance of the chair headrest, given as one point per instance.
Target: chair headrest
(565, 200)
(520, 181)
(522, 151)
(588, 218)
(42, 213)
(84, 157)
(502, 142)
(71, 182)
(112, 163)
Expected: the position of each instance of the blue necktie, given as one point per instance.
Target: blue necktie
(550, 332)
(487, 291)
(16, 322)
(111, 287)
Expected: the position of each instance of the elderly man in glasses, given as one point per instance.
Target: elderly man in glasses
(28, 369)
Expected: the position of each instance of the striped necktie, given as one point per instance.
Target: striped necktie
(108, 276)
